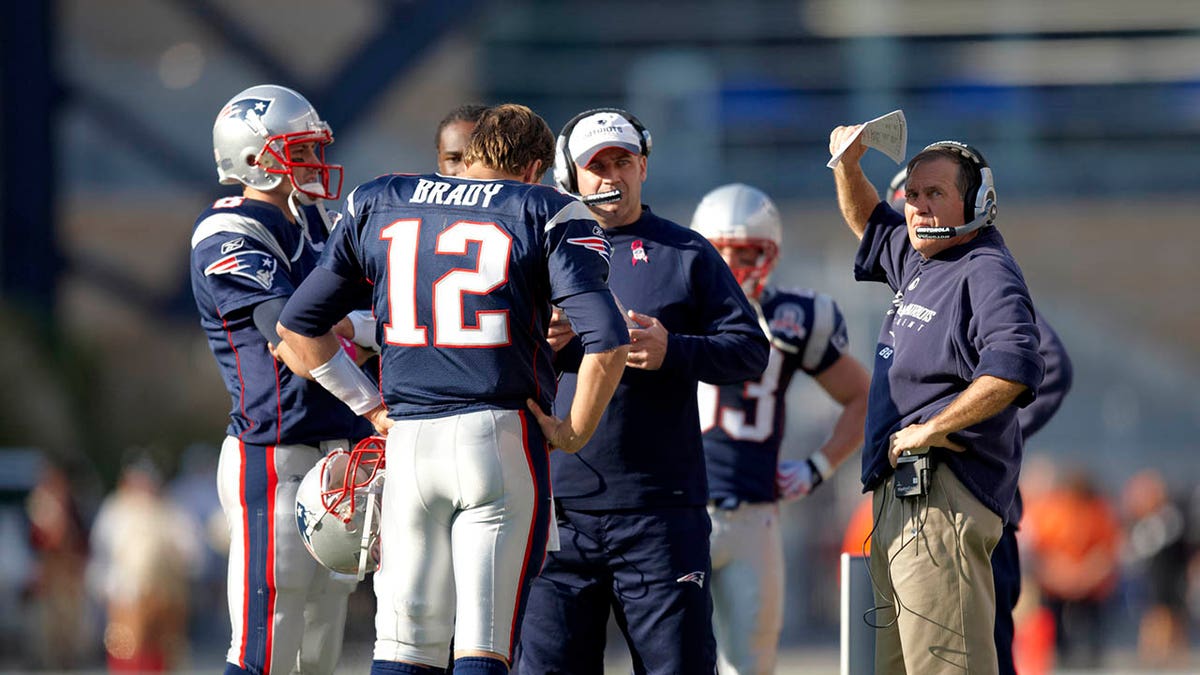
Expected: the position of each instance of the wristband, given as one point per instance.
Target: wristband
(348, 382)
(364, 329)
(821, 465)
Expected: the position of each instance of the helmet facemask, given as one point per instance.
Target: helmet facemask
(276, 157)
(751, 276)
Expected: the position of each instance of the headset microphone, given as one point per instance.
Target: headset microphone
(601, 198)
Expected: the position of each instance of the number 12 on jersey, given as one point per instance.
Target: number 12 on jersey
(450, 327)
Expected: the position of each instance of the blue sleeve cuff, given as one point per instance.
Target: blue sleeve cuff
(1023, 368)
(596, 320)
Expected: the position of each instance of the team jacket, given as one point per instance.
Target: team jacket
(647, 449)
(959, 315)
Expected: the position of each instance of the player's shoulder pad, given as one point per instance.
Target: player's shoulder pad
(789, 314)
(568, 209)
(806, 320)
(238, 230)
(364, 192)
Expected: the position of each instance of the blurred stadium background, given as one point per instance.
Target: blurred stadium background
(1087, 110)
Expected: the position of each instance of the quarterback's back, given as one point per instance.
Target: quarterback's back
(463, 273)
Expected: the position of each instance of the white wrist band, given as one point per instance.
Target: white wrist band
(820, 461)
(364, 329)
(348, 382)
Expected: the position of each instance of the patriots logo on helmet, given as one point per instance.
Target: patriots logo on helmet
(245, 107)
(594, 243)
(254, 265)
(302, 518)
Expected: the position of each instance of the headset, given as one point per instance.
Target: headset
(979, 201)
(564, 165)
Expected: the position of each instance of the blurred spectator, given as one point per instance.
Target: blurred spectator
(194, 492)
(143, 549)
(857, 538)
(1075, 541)
(1033, 622)
(62, 636)
(1156, 550)
(1033, 639)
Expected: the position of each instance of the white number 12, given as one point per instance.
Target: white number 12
(449, 320)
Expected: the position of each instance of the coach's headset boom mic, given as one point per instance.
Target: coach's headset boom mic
(979, 201)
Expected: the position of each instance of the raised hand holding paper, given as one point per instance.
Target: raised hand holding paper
(887, 134)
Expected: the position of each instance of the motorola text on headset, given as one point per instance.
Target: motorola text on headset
(979, 201)
(564, 166)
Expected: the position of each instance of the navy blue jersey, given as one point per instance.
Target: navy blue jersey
(957, 316)
(743, 423)
(245, 252)
(463, 273)
(647, 449)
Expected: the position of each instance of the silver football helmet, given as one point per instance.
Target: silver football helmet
(338, 508)
(741, 216)
(256, 133)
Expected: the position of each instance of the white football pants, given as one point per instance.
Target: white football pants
(458, 528)
(288, 612)
(747, 587)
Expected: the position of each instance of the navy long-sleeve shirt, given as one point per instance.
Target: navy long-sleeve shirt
(957, 316)
(647, 449)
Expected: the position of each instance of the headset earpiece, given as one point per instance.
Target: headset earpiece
(564, 165)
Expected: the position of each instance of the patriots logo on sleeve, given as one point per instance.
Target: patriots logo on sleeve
(596, 243)
(254, 265)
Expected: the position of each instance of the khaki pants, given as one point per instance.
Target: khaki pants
(931, 567)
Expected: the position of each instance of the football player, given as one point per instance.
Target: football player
(462, 272)
(453, 134)
(249, 253)
(743, 427)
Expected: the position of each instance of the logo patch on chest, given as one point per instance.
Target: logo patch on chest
(639, 252)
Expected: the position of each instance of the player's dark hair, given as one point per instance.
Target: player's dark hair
(509, 138)
(468, 112)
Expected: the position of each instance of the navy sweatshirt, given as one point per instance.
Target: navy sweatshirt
(961, 314)
(647, 449)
